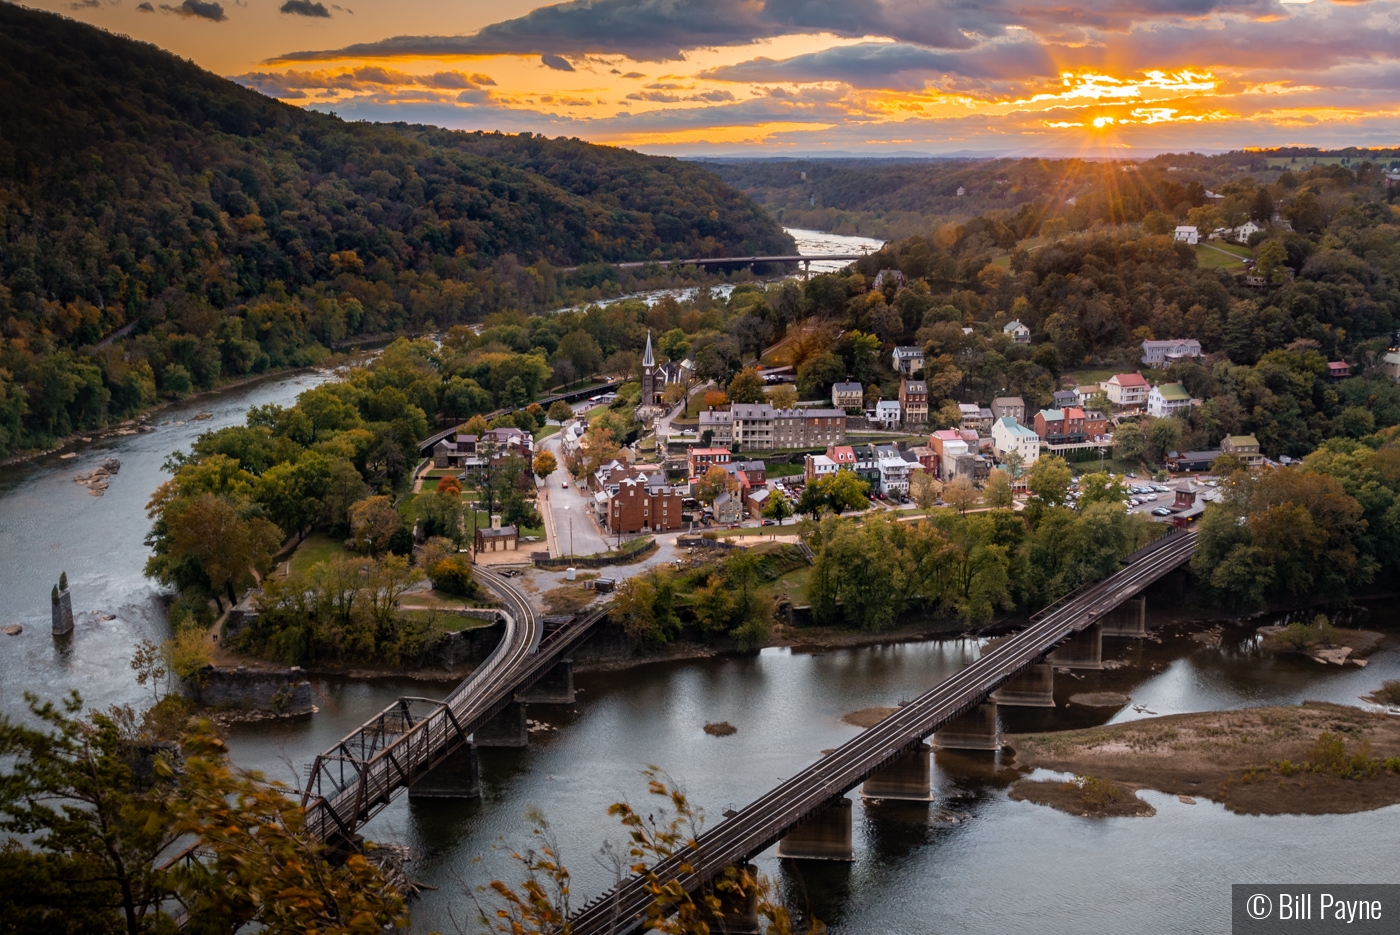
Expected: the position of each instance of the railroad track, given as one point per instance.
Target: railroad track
(765, 821)
(350, 783)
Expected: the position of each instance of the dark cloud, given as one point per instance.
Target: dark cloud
(85, 5)
(197, 9)
(664, 97)
(660, 30)
(290, 85)
(895, 65)
(145, 7)
(557, 62)
(306, 8)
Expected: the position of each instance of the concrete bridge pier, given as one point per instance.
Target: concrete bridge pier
(826, 835)
(1127, 619)
(738, 911)
(908, 778)
(555, 687)
(506, 729)
(458, 776)
(1032, 688)
(975, 730)
(1082, 650)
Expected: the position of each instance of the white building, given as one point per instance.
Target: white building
(1166, 353)
(1187, 233)
(1020, 334)
(1126, 389)
(1241, 234)
(1167, 400)
(894, 471)
(887, 413)
(1008, 435)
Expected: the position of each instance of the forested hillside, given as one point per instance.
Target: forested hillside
(890, 199)
(235, 233)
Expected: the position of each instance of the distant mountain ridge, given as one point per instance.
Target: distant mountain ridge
(215, 232)
(129, 143)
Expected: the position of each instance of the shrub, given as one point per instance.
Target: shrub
(452, 574)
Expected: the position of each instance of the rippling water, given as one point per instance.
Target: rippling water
(1011, 867)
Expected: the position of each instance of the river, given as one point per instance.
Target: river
(1011, 866)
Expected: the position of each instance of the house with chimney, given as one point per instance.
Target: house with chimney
(907, 360)
(1126, 390)
(913, 401)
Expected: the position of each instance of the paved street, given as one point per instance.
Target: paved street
(569, 511)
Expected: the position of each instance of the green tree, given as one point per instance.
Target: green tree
(1271, 262)
(997, 490)
(746, 387)
(843, 490)
(816, 374)
(1101, 488)
(208, 533)
(1130, 443)
(1049, 479)
(777, 507)
(1163, 435)
(373, 522)
(560, 411)
(960, 494)
(673, 344)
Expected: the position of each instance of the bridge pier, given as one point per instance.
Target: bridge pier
(1031, 688)
(555, 687)
(456, 776)
(826, 835)
(908, 778)
(506, 729)
(975, 730)
(1082, 650)
(1127, 619)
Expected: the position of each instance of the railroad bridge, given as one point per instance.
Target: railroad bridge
(808, 816)
(805, 259)
(429, 746)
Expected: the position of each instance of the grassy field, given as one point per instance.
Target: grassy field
(785, 470)
(1086, 377)
(547, 431)
(791, 586)
(317, 548)
(1210, 256)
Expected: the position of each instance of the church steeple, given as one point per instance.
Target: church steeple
(648, 360)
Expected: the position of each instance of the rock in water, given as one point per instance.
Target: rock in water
(112, 465)
(14, 629)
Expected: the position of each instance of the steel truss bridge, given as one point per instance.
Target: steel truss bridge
(354, 780)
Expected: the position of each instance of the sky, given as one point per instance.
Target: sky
(694, 77)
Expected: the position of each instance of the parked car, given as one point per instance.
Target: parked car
(1161, 489)
(1161, 511)
(769, 522)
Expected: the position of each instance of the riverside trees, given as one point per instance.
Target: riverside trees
(92, 804)
(1327, 528)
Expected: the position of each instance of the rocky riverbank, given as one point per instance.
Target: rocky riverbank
(1310, 759)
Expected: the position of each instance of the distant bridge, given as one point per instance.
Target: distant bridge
(811, 803)
(805, 259)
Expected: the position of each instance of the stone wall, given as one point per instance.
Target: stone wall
(277, 691)
(469, 647)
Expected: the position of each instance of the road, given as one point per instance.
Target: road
(570, 513)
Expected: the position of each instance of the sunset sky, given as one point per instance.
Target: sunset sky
(797, 76)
